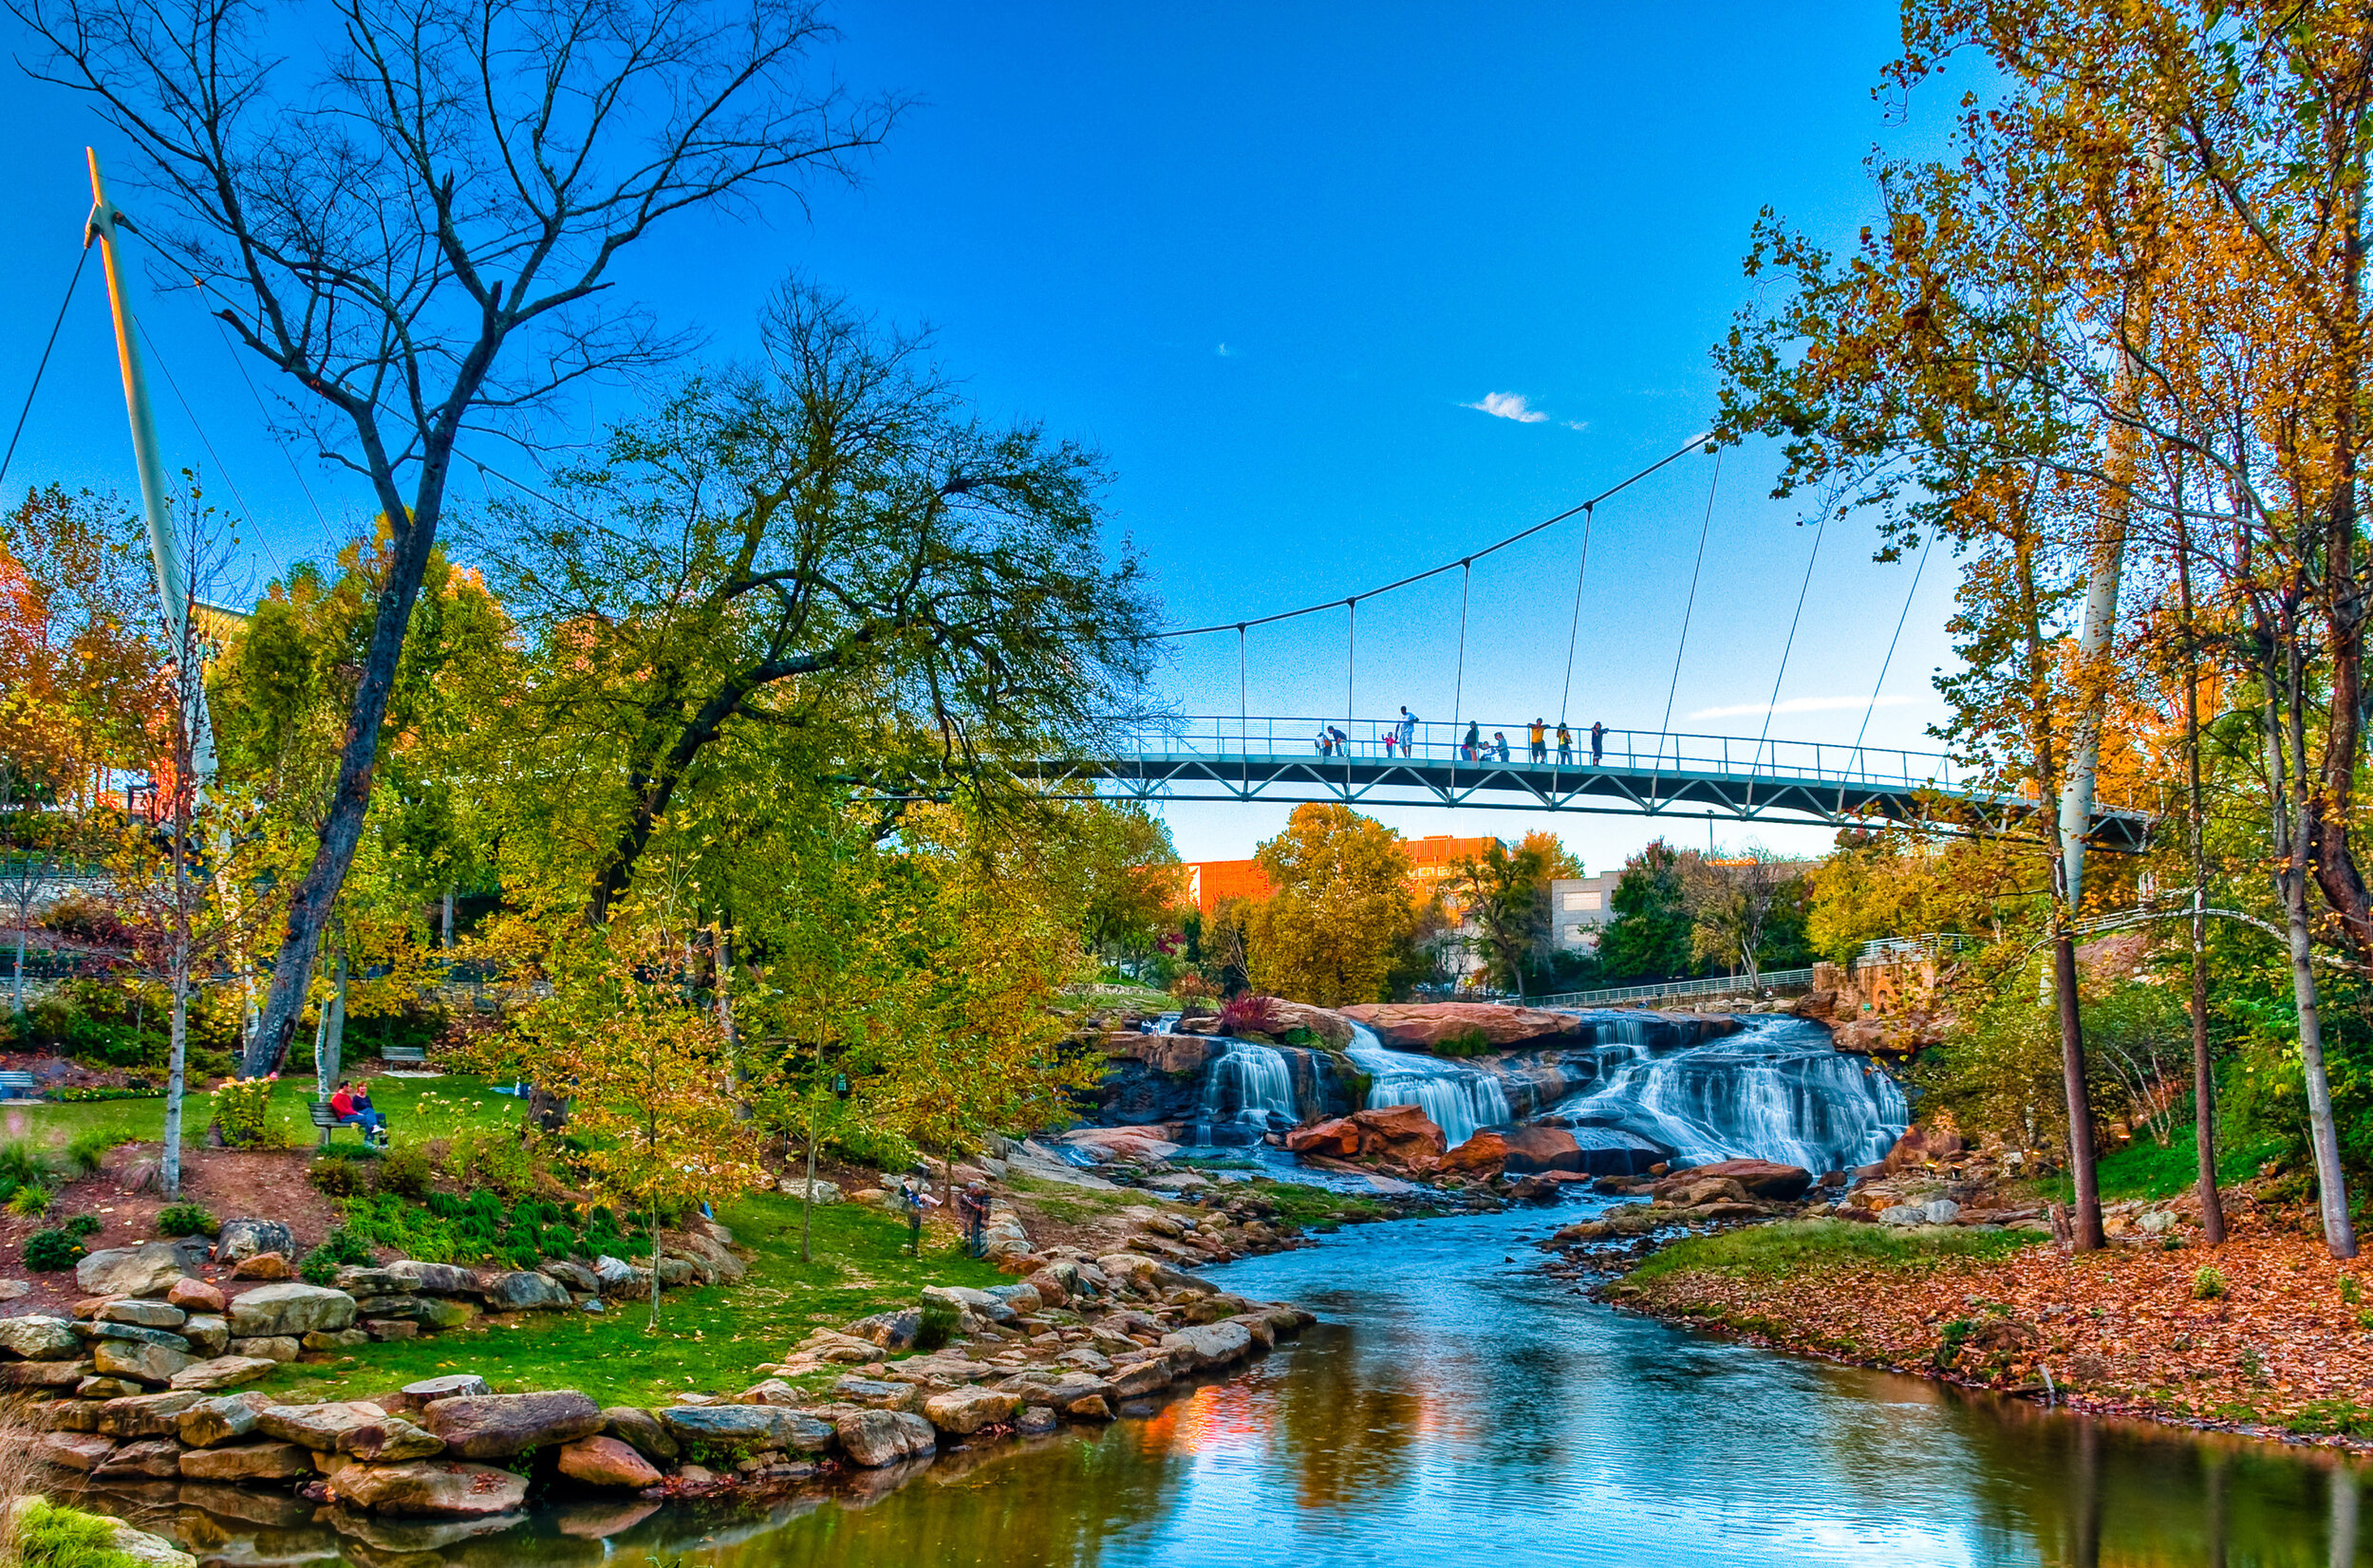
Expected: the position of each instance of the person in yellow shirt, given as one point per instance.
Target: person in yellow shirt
(1566, 745)
(1540, 742)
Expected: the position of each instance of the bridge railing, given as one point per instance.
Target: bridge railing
(1478, 742)
(1721, 985)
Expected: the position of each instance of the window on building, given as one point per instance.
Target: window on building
(1582, 898)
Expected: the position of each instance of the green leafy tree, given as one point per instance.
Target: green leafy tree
(1505, 895)
(1330, 930)
(1649, 935)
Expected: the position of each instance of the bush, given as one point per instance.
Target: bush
(50, 1251)
(497, 1161)
(50, 1536)
(1467, 1042)
(446, 1206)
(243, 1111)
(2208, 1286)
(1251, 1014)
(339, 1249)
(337, 1176)
(559, 1242)
(88, 1150)
(867, 1145)
(102, 1092)
(404, 1170)
(318, 1268)
(29, 1203)
(25, 1163)
(186, 1219)
(938, 1326)
(82, 1226)
(387, 1221)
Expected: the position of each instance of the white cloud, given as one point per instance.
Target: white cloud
(1801, 704)
(1224, 352)
(1507, 405)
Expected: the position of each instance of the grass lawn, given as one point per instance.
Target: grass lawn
(2143, 1169)
(415, 1108)
(1795, 1246)
(709, 1339)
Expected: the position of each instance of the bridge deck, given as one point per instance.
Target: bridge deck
(1638, 775)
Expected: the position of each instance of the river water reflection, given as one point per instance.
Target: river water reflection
(1457, 1402)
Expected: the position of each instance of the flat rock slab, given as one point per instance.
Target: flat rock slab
(961, 1412)
(149, 1270)
(746, 1427)
(431, 1486)
(497, 1426)
(289, 1309)
(875, 1438)
(40, 1338)
(267, 1461)
(223, 1371)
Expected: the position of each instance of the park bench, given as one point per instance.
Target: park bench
(328, 1121)
(413, 1055)
(19, 1085)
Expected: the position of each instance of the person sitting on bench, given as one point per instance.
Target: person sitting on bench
(352, 1108)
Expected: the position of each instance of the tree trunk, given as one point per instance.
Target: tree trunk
(2086, 1233)
(446, 941)
(807, 1194)
(2203, 1069)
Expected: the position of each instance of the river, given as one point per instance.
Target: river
(1456, 1401)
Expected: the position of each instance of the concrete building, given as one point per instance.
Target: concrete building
(1432, 859)
(1577, 907)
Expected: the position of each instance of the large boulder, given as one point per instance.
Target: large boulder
(240, 1240)
(137, 1361)
(1337, 1139)
(1207, 1345)
(1763, 1179)
(144, 1415)
(149, 1270)
(211, 1423)
(1399, 1132)
(153, 1458)
(607, 1462)
(223, 1371)
(964, 1411)
(496, 1426)
(893, 1331)
(523, 1290)
(140, 1314)
(289, 1309)
(963, 1298)
(390, 1441)
(1105, 1144)
(875, 1438)
(745, 1428)
(1482, 1155)
(432, 1312)
(1533, 1149)
(322, 1427)
(431, 1486)
(74, 1450)
(1428, 1026)
(640, 1429)
(39, 1338)
(195, 1295)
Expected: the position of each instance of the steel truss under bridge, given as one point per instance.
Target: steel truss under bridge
(1635, 773)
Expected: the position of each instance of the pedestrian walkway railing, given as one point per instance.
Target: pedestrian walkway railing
(1909, 949)
(1720, 985)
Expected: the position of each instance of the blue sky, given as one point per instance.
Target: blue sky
(1341, 291)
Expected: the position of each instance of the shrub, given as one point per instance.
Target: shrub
(25, 1163)
(867, 1145)
(337, 1176)
(82, 1226)
(387, 1221)
(446, 1206)
(186, 1219)
(2208, 1286)
(88, 1150)
(559, 1242)
(49, 1251)
(103, 1091)
(29, 1203)
(243, 1110)
(524, 1259)
(405, 1171)
(318, 1268)
(1467, 1042)
(938, 1326)
(497, 1161)
(1252, 1014)
(50, 1536)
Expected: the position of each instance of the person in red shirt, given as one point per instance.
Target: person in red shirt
(342, 1104)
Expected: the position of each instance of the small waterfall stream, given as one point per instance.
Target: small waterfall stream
(1247, 1091)
(1778, 1090)
(1459, 1100)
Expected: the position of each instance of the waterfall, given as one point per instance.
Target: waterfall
(1456, 1099)
(1778, 1092)
(1248, 1086)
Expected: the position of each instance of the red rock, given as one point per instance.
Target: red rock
(264, 1265)
(1399, 1131)
(607, 1462)
(195, 1295)
(1758, 1178)
(1422, 1026)
(1534, 1149)
(1483, 1154)
(1339, 1138)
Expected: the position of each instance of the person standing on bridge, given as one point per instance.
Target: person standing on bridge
(1500, 745)
(1566, 745)
(1326, 747)
(1408, 732)
(1342, 741)
(1540, 742)
(1597, 741)
(1471, 748)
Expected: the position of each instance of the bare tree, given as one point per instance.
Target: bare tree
(422, 235)
(1731, 901)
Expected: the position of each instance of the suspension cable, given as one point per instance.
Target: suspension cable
(1686, 613)
(1244, 712)
(1789, 647)
(1917, 567)
(1458, 688)
(1693, 443)
(26, 411)
(1574, 634)
(1350, 657)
